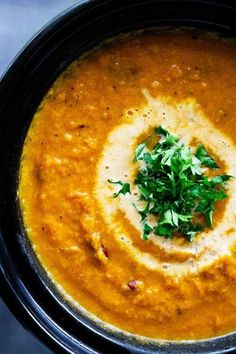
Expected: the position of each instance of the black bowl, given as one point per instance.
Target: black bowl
(25, 286)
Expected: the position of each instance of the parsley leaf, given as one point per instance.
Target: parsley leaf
(138, 151)
(146, 231)
(204, 158)
(125, 188)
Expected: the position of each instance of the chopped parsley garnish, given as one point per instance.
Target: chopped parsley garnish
(173, 187)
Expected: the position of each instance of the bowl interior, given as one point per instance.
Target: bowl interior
(37, 301)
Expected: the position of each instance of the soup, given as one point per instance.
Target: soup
(80, 150)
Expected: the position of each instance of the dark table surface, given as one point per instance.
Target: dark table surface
(19, 20)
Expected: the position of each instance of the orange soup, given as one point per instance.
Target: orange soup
(85, 133)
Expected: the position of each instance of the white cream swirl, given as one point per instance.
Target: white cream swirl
(187, 120)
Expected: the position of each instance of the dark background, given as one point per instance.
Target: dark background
(19, 21)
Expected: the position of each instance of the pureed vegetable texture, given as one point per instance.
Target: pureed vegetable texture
(87, 131)
(174, 187)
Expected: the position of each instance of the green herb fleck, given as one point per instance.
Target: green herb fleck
(204, 158)
(125, 188)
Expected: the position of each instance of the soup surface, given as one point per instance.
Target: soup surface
(84, 133)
